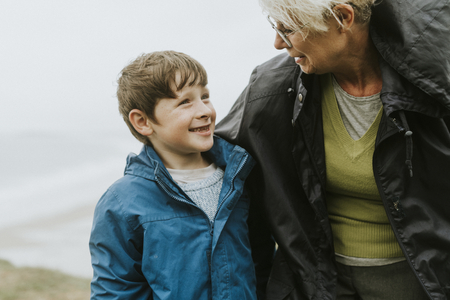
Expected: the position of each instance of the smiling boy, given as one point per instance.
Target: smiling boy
(174, 227)
(183, 128)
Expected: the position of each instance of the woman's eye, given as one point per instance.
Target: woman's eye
(286, 31)
(184, 102)
(205, 96)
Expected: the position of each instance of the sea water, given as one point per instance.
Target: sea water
(49, 186)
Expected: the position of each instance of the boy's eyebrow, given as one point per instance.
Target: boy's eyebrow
(179, 95)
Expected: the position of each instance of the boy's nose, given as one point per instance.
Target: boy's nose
(204, 111)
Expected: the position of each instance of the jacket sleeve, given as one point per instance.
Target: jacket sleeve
(233, 128)
(229, 127)
(116, 254)
(262, 245)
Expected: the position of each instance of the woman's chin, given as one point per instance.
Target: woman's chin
(307, 68)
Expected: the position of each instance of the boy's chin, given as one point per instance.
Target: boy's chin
(207, 146)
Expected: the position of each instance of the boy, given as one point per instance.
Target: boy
(174, 227)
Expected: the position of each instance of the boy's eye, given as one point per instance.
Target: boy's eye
(205, 96)
(184, 102)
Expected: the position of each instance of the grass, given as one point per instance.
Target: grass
(40, 284)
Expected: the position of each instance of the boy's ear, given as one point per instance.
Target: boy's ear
(140, 122)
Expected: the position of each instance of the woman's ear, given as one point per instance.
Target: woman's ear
(345, 15)
(140, 122)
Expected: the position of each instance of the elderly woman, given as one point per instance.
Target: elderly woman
(351, 132)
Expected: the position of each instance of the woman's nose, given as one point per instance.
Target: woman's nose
(279, 43)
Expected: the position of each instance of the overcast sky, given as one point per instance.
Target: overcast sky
(60, 60)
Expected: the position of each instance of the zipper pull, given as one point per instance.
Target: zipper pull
(399, 127)
(211, 232)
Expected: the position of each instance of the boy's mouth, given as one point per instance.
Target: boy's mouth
(200, 129)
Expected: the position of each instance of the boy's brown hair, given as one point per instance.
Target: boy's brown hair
(151, 77)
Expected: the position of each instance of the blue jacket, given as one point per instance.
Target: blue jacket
(150, 241)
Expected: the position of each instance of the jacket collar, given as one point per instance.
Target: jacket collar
(148, 164)
(412, 37)
(399, 94)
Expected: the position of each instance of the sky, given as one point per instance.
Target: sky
(60, 60)
(62, 140)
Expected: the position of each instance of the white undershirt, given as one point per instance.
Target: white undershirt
(189, 176)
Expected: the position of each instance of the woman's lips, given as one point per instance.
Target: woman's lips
(299, 59)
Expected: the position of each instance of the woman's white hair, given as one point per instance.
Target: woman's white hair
(315, 14)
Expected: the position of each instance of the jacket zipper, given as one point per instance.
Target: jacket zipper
(395, 203)
(241, 166)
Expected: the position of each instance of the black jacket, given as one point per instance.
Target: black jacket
(278, 120)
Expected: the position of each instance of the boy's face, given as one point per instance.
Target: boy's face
(186, 124)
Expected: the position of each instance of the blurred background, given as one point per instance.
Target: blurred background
(62, 140)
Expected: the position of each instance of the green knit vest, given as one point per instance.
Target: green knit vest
(358, 219)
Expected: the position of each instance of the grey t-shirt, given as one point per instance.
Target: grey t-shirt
(357, 113)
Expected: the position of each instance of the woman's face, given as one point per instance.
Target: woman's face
(319, 53)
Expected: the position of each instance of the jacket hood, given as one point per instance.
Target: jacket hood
(148, 164)
(413, 37)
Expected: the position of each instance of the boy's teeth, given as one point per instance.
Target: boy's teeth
(200, 129)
